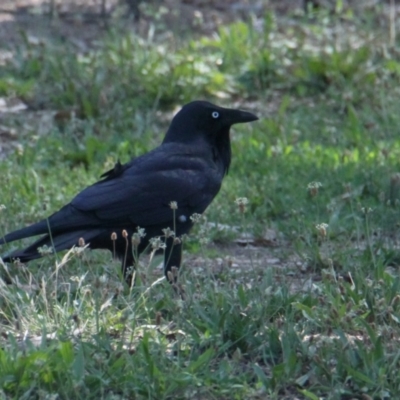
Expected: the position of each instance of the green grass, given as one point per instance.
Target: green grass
(314, 314)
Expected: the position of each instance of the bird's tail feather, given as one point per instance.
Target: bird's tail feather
(68, 218)
(57, 243)
(36, 229)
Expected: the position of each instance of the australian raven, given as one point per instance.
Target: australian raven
(186, 170)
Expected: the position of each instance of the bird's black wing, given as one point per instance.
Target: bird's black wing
(142, 192)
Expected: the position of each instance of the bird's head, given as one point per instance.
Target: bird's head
(201, 119)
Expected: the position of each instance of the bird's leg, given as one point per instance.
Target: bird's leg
(172, 262)
(128, 262)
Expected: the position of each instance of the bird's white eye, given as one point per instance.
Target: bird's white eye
(215, 114)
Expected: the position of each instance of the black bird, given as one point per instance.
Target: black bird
(187, 168)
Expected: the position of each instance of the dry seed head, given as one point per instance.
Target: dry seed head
(395, 301)
(137, 236)
(124, 234)
(20, 149)
(276, 150)
(44, 250)
(366, 210)
(85, 290)
(204, 240)
(313, 188)
(168, 232)
(381, 302)
(157, 243)
(141, 232)
(136, 239)
(321, 228)
(77, 250)
(241, 203)
(173, 205)
(81, 242)
(130, 270)
(158, 318)
(113, 236)
(195, 218)
(177, 241)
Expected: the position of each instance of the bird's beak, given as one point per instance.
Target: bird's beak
(239, 116)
